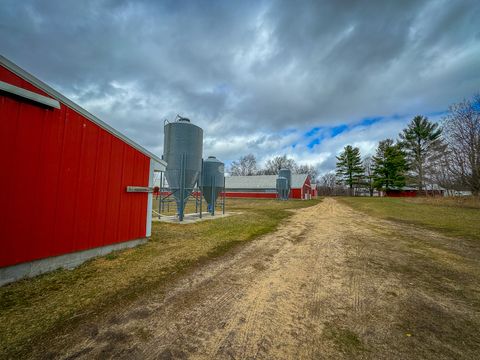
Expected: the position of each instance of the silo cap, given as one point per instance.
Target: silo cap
(183, 119)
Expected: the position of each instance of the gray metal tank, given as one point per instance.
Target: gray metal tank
(282, 188)
(286, 173)
(182, 150)
(212, 180)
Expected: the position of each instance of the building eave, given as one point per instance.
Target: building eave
(67, 102)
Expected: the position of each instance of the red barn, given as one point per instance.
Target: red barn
(264, 186)
(64, 186)
(407, 191)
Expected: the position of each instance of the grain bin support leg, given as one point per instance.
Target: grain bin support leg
(160, 200)
(201, 189)
(214, 198)
(182, 188)
(223, 200)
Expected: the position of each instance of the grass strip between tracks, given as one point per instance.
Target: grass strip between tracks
(33, 312)
(451, 216)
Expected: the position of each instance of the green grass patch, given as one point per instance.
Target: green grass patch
(454, 218)
(344, 339)
(34, 311)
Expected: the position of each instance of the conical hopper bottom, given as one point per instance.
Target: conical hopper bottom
(178, 198)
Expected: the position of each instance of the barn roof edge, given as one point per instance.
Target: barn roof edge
(63, 99)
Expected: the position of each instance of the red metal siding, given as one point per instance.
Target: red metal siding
(401, 193)
(296, 193)
(64, 179)
(256, 195)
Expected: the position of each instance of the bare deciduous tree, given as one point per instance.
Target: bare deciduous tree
(462, 133)
(328, 186)
(245, 166)
(308, 169)
(273, 166)
(368, 176)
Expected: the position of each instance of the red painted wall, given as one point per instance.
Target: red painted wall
(403, 193)
(295, 193)
(63, 181)
(255, 195)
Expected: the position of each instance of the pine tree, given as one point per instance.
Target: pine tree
(422, 143)
(390, 166)
(349, 167)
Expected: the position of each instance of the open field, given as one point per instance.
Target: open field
(330, 282)
(35, 311)
(452, 216)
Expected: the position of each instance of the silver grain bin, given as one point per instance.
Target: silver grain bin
(182, 150)
(212, 181)
(282, 188)
(287, 174)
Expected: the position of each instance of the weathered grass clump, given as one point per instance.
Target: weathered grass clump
(454, 217)
(33, 310)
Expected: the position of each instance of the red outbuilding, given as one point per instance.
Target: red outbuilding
(264, 186)
(64, 185)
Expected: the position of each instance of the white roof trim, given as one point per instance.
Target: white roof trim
(30, 95)
(261, 182)
(64, 100)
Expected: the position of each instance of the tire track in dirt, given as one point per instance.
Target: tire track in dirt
(237, 307)
(305, 291)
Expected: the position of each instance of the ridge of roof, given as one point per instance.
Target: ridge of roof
(63, 99)
(261, 181)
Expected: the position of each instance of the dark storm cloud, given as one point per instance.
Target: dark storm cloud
(246, 71)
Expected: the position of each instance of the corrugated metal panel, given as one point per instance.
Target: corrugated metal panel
(261, 181)
(251, 182)
(298, 180)
(31, 83)
(296, 193)
(251, 195)
(64, 179)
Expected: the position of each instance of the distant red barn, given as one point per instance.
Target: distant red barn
(63, 191)
(413, 192)
(264, 186)
(401, 193)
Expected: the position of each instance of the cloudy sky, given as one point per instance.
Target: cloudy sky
(302, 78)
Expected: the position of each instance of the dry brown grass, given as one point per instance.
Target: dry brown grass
(452, 216)
(451, 201)
(35, 311)
(330, 283)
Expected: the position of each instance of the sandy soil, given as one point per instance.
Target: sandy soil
(319, 287)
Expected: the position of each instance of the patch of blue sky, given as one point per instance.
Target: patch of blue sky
(314, 142)
(317, 134)
(396, 116)
(369, 121)
(337, 130)
(288, 131)
(222, 88)
(312, 131)
(437, 113)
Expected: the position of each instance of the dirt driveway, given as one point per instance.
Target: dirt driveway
(330, 283)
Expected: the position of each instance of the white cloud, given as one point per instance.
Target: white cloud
(247, 72)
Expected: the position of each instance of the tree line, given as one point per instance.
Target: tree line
(247, 166)
(425, 153)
